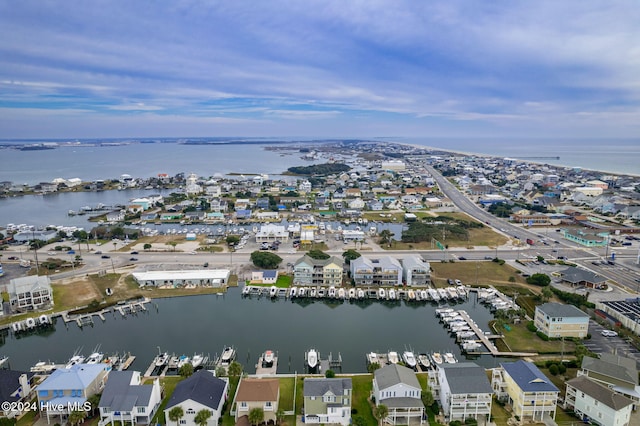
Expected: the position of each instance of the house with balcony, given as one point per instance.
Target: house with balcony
(126, 400)
(597, 404)
(327, 401)
(618, 373)
(415, 271)
(30, 293)
(557, 320)
(383, 271)
(269, 233)
(257, 393)
(69, 388)
(397, 387)
(531, 395)
(201, 391)
(465, 391)
(318, 272)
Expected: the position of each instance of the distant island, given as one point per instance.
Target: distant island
(319, 169)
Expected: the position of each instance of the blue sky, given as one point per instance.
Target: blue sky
(121, 68)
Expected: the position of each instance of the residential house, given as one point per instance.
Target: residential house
(201, 391)
(596, 404)
(264, 277)
(465, 391)
(30, 293)
(15, 387)
(617, 373)
(531, 395)
(257, 393)
(415, 271)
(398, 389)
(69, 388)
(328, 400)
(558, 320)
(318, 272)
(115, 216)
(381, 271)
(126, 400)
(269, 233)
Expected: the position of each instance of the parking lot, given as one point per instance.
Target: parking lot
(600, 344)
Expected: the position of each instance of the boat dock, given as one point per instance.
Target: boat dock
(131, 308)
(127, 362)
(331, 363)
(266, 369)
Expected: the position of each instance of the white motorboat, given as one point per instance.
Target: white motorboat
(292, 292)
(424, 295)
(76, 359)
(434, 295)
(312, 292)
(423, 359)
(183, 360)
(449, 358)
(246, 290)
(30, 323)
(43, 367)
(95, 358)
(382, 294)
(409, 359)
(393, 357)
(341, 293)
(411, 294)
(312, 358)
(273, 291)
(161, 359)
(444, 294)
(392, 294)
(360, 293)
(352, 293)
(44, 320)
(268, 357)
(196, 360)
(228, 355)
(332, 292)
(321, 292)
(470, 345)
(372, 358)
(436, 357)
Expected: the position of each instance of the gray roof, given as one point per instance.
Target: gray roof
(577, 275)
(29, 283)
(556, 310)
(120, 395)
(600, 393)
(319, 262)
(202, 387)
(403, 402)
(617, 367)
(9, 383)
(466, 377)
(319, 387)
(391, 375)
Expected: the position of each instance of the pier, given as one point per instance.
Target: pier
(265, 368)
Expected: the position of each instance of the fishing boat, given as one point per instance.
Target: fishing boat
(95, 358)
(392, 294)
(332, 292)
(267, 358)
(273, 291)
(382, 294)
(423, 359)
(228, 355)
(372, 358)
(292, 292)
(341, 293)
(449, 358)
(196, 360)
(352, 293)
(409, 359)
(393, 357)
(437, 358)
(161, 359)
(76, 359)
(360, 293)
(411, 294)
(312, 358)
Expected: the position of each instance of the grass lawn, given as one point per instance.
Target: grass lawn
(499, 414)
(519, 339)
(284, 281)
(286, 393)
(362, 387)
(469, 273)
(167, 384)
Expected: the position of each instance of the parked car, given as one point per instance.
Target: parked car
(134, 252)
(462, 258)
(105, 256)
(609, 333)
(133, 259)
(12, 258)
(98, 252)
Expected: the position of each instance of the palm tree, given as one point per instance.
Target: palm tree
(202, 417)
(94, 400)
(256, 416)
(176, 413)
(385, 236)
(77, 416)
(186, 370)
(280, 415)
(381, 412)
(235, 369)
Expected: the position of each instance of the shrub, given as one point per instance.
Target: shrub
(531, 327)
(553, 370)
(543, 336)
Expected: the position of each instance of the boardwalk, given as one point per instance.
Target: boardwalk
(484, 339)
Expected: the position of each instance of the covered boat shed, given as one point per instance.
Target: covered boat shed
(195, 278)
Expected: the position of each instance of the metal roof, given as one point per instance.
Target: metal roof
(528, 377)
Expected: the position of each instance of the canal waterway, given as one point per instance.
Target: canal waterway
(187, 325)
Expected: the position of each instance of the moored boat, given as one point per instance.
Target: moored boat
(312, 358)
(95, 358)
(332, 292)
(352, 293)
(341, 293)
(392, 294)
(76, 359)
(196, 360)
(409, 359)
(293, 292)
(436, 357)
(183, 360)
(161, 359)
(268, 357)
(382, 294)
(393, 357)
(449, 358)
(360, 293)
(273, 291)
(228, 355)
(423, 359)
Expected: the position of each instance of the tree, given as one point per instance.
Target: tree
(186, 370)
(146, 246)
(94, 400)
(232, 240)
(329, 374)
(265, 260)
(280, 415)
(373, 367)
(350, 255)
(77, 416)
(539, 279)
(173, 245)
(235, 369)
(546, 294)
(427, 398)
(176, 413)
(256, 416)
(202, 417)
(221, 372)
(385, 236)
(380, 412)
(359, 421)
(318, 254)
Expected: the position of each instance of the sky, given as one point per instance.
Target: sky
(450, 68)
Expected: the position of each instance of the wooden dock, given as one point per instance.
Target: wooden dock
(263, 369)
(484, 339)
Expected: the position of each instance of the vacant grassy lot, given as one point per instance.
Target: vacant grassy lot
(469, 273)
(519, 339)
(362, 387)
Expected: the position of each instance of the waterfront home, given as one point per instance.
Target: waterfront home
(617, 373)
(264, 277)
(269, 233)
(69, 388)
(15, 387)
(126, 400)
(318, 272)
(465, 391)
(195, 278)
(381, 271)
(327, 400)
(397, 387)
(201, 391)
(415, 270)
(30, 293)
(597, 404)
(257, 393)
(531, 395)
(558, 320)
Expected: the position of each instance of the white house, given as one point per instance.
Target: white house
(465, 391)
(398, 389)
(559, 320)
(30, 293)
(126, 400)
(201, 391)
(597, 404)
